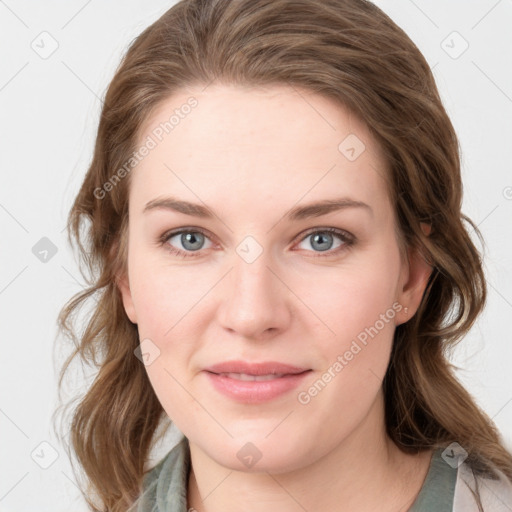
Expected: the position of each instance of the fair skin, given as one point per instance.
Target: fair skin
(250, 155)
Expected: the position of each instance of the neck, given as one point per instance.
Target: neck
(366, 471)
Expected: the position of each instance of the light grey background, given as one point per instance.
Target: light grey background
(49, 112)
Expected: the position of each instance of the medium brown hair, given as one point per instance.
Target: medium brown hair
(353, 53)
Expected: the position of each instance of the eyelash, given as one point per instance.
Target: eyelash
(347, 239)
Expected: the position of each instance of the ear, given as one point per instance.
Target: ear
(124, 287)
(123, 283)
(415, 278)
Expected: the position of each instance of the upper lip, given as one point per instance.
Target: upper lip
(264, 368)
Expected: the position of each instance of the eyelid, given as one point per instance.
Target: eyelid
(343, 234)
(347, 238)
(164, 238)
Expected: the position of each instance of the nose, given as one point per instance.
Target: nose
(255, 301)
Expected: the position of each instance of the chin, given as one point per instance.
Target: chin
(255, 454)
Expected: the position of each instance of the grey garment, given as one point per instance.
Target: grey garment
(165, 487)
(438, 489)
(495, 493)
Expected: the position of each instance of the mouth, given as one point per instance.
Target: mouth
(257, 383)
(266, 368)
(258, 378)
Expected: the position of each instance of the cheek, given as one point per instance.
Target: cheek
(354, 297)
(164, 296)
(174, 390)
(359, 306)
(168, 305)
(166, 315)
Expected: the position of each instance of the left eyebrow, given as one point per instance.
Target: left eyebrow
(316, 209)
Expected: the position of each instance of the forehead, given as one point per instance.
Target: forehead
(230, 144)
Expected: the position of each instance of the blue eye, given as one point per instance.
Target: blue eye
(322, 240)
(192, 241)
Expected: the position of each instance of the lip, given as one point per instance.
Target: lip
(254, 392)
(263, 368)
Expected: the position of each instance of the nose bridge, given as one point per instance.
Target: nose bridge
(254, 300)
(251, 278)
(251, 261)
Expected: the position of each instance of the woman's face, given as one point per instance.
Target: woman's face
(258, 278)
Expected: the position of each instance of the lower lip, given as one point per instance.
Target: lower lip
(254, 392)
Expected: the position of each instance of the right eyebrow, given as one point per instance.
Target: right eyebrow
(171, 203)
